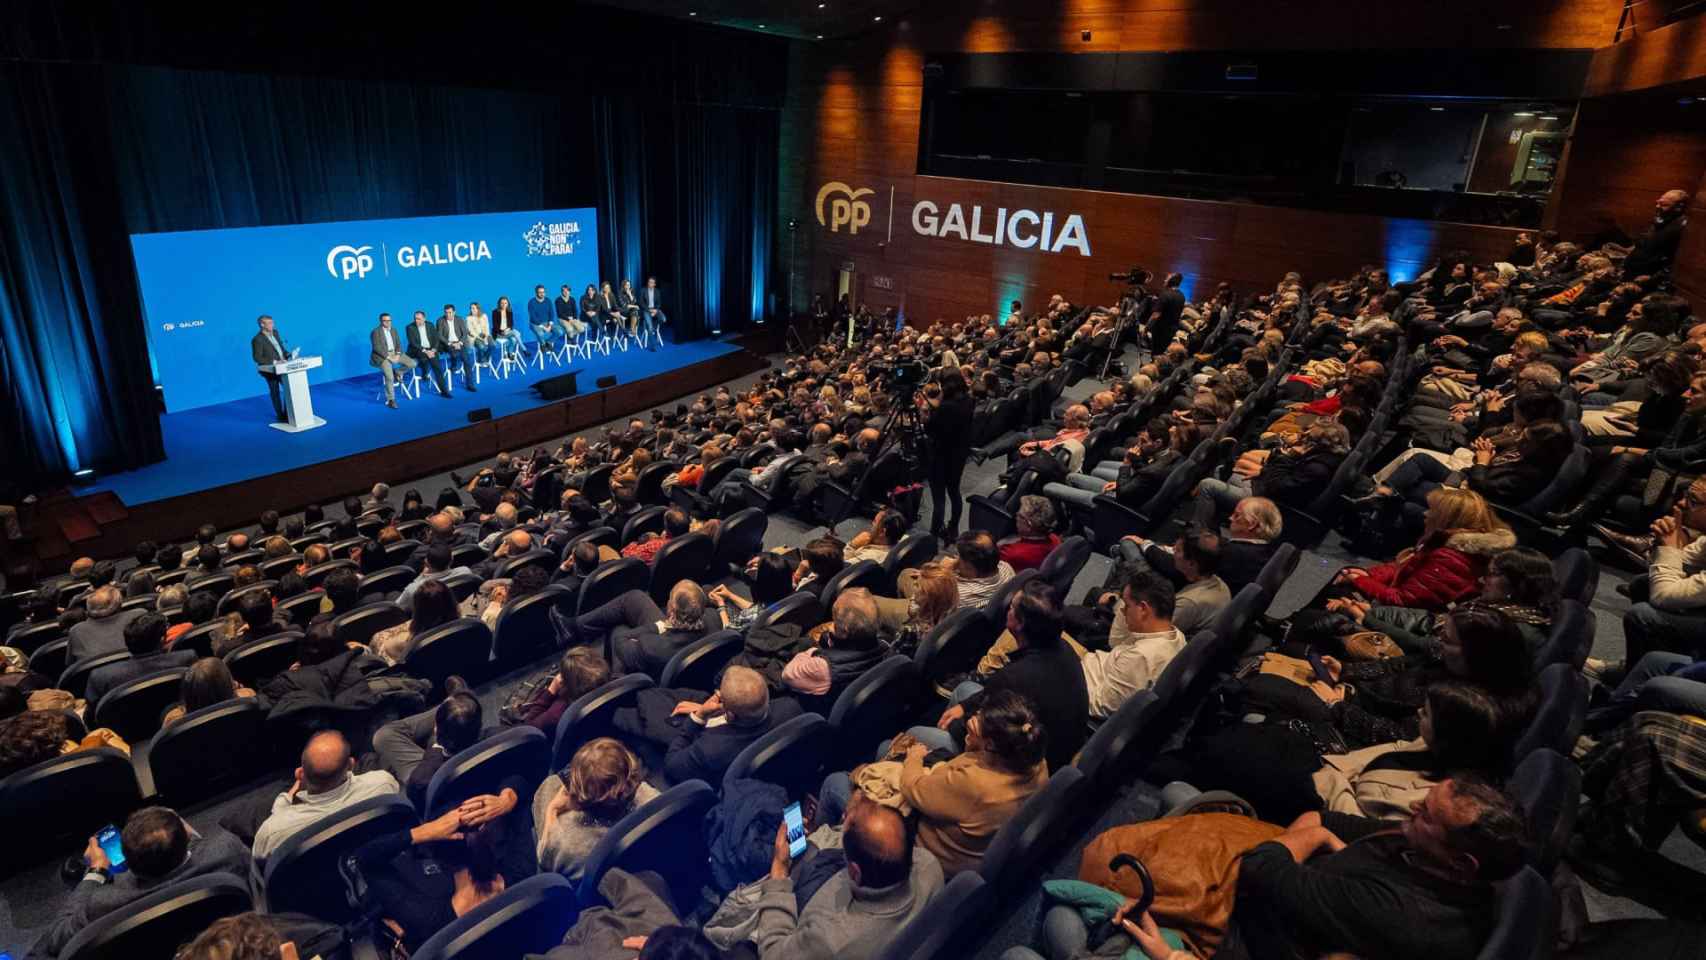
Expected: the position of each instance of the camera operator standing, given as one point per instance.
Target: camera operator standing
(948, 412)
(1170, 306)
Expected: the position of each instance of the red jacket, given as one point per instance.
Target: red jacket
(1022, 554)
(1435, 575)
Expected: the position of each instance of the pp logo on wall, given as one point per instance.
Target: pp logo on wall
(845, 208)
(552, 239)
(345, 261)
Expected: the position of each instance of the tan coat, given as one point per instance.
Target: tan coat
(963, 803)
(1347, 786)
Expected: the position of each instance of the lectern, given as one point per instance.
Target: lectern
(298, 408)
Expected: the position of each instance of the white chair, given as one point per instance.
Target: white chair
(509, 355)
(408, 382)
(492, 363)
(541, 352)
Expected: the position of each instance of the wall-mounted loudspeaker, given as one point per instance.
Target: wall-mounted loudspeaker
(605, 383)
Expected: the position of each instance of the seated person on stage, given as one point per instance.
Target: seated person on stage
(651, 301)
(589, 312)
(423, 347)
(543, 319)
(568, 314)
(641, 637)
(479, 331)
(630, 307)
(454, 345)
(159, 849)
(387, 354)
(610, 309)
(503, 328)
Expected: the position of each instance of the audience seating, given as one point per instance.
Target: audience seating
(219, 584)
(298, 610)
(544, 559)
(996, 608)
(133, 708)
(50, 659)
(601, 536)
(64, 801)
(871, 710)
(686, 557)
(359, 625)
(229, 602)
(1570, 637)
(76, 677)
(162, 921)
(610, 581)
(234, 560)
(1563, 708)
(914, 550)
(1278, 569)
(201, 638)
(954, 646)
(32, 638)
(666, 835)
(698, 665)
(467, 555)
(462, 585)
(204, 753)
(946, 925)
(1577, 573)
(517, 752)
(302, 876)
(316, 575)
(528, 918)
(387, 583)
(1062, 564)
(1124, 743)
(460, 647)
(258, 661)
(791, 756)
(276, 567)
(1526, 918)
(523, 632)
(1549, 787)
(801, 609)
(1014, 854)
(593, 715)
(648, 520)
(739, 537)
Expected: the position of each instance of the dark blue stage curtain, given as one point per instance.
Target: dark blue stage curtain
(683, 175)
(72, 353)
(689, 194)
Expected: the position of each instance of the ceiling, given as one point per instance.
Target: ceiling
(798, 19)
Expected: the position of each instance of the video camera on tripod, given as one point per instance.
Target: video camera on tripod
(1135, 277)
(902, 378)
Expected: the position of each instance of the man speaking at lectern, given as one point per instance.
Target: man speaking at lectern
(268, 347)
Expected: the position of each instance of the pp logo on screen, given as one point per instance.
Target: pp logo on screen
(848, 209)
(346, 261)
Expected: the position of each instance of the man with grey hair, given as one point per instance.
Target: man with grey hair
(636, 636)
(171, 599)
(103, 632)
(710, 734)
(841, 655)
(1035, 539)
(505, 515)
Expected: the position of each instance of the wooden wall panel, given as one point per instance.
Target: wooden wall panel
(1622, 156)
(1668, 55)
(853, 110)
(1690, 269)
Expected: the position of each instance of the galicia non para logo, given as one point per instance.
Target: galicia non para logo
(345, 261)
(846, 209)
(552, 239)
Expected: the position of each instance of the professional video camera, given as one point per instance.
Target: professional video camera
(902, 377)
(1135, 277)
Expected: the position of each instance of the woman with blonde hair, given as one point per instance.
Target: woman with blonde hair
(936, 595)
(1460, 535)
(574, 809)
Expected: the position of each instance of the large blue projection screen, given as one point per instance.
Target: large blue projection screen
(325, 284)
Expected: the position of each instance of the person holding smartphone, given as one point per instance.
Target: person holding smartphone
(155, 847)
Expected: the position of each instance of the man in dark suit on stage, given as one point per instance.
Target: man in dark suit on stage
(387, 354)
(423, 347)
(268, 347)
(453, 343)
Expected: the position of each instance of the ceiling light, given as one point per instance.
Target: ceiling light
(1547, 116)
(820, 36)
(1437, 109)
(761, 26)
(1523, 113)
(878, 18)
(693, 13)
(822, 5)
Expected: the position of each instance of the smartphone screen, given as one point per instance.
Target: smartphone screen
(796, 829)
(108, 838)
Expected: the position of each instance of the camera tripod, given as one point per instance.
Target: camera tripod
(901, 431)
(1134, 308)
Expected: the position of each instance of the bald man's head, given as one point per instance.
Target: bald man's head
(441, 523)
(878, 844)
(326, 762)
(745, 695)
(520, 541)
(1672, 202)
(505, 514)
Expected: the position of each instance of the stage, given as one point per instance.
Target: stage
(224, 463)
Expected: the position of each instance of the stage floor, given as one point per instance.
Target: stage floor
(232, 442)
